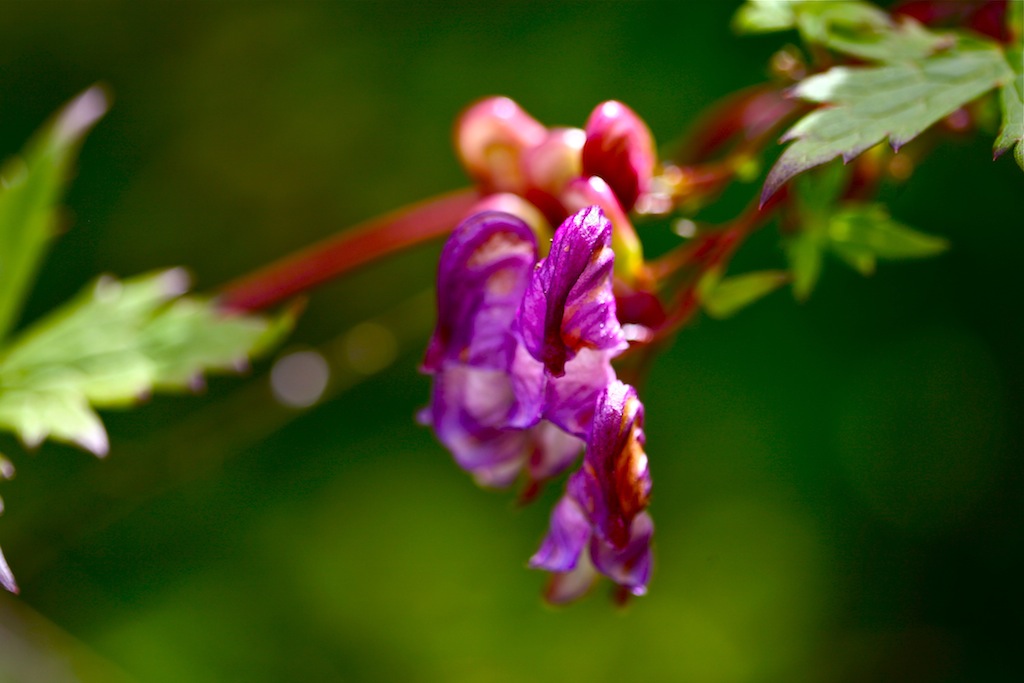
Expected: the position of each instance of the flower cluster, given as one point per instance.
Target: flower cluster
(522, 353)
(523, 381)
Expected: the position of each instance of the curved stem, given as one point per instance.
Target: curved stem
(346, 251)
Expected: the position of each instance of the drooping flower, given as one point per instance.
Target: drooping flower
(600, 524)
(521, 349)
(521, 358)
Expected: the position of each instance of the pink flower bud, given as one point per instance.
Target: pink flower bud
(629, 256)
(490, 137)
(619, 149)
(552, 164)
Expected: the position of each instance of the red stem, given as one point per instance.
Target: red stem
(350, 249)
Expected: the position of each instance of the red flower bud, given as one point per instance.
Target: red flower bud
(619, 149)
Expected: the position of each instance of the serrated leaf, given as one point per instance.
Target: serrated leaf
(727, 297)
(868, 228)
(895, 101)
(1011, 135)
(30, 188)
(116, 343)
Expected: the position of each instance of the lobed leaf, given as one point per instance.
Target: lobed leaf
(867, 105)
(30, 188)
(855, 28)
(113, 345)
(727, 297)
(857, 233)
(765, 16)
(869, 229)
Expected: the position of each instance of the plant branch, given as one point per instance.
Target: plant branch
(341, 253)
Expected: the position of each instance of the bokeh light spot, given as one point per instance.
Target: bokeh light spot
(299, 379)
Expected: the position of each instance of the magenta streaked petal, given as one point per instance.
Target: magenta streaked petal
(568, 534)
(484, 270)
(569, 303)
(616, 464)
(554, 451)
(469, 412)
(629, 566)
(571, 398)
(529, 384)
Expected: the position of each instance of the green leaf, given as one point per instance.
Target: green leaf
(868, 228)
(864, 31)
(804, 251)
(113, 345)
(895, 101)
(30, 188)
(727, 297)
(765, 16)
(854, 28)
(1012, 132)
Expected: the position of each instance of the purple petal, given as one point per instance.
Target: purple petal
(567, 536)
(616, 464)
(484, 270)
(566, 587)
(569, 303)
(629, 566)
(470, 411)
(571, 398)
(554, 451)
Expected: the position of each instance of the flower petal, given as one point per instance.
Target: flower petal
(618, 482)
(571, 399)
(569, 303)
(566, 587)
(484, 270)
(567, 536)
(629, 566)
(469, 411)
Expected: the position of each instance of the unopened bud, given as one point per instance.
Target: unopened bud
(619, 149)
(491, 136)
(551, 165)
(629, 255)
(507, 202)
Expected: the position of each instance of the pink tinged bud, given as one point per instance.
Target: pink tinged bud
(620, 149)
(551, 166)
(506, 202)
(594, 191)
(491, 137)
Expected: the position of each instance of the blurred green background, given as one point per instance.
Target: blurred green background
(837, 484)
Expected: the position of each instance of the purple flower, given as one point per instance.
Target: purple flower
(602, 511)
(521, 358)
(569, 305)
